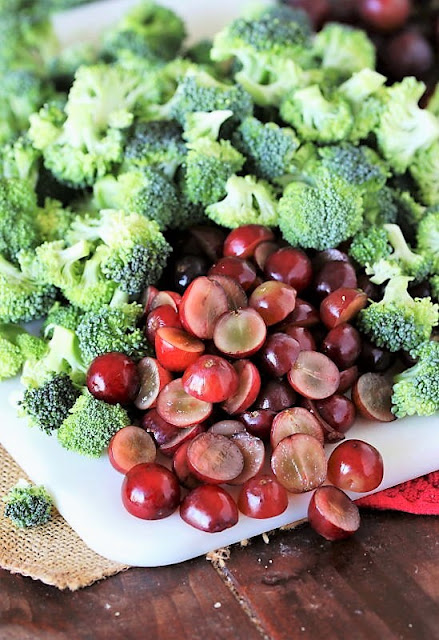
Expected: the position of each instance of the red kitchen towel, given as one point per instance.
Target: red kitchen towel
(419, 496)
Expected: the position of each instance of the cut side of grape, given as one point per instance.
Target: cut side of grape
(236, 296)
(130, 446)
(332, 514)
(314, 375)
(372, 395)
(214, 458)
(153, 377)
(295, 420)
(240, 333)
(249, 385)
(253, 452)
(179, 408)
(182, 436)
(203, 302)
(273, 300)
(227, 428)
(177, 349)
(342, 305)
(299, 463)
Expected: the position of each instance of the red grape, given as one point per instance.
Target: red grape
(113, 378)
(295, 420)
(181, 468)
(214, 458)
(150, 491)
(343, 345)
(338, 411)
(209, 508)
(302, 335)
(262, 497)
(258, 422)
(273, 301)
(253, 452)
(130, 446)
(177, 349)
(356, 466)
(291, 266)
(243, 241)
(227, 428)
(278, 354)
(179, 408)
(275, 395)
(332, 514)
(334, 275)
(203, 302)
(314, 375)
(236, 295)
(299, 463)
(163, 316)
(240, 333)
(187, 269)
(240, 270)
(341, 306)
(153, 377)
(210, 378)
(385, 15)
(249, 385)
(372, 395)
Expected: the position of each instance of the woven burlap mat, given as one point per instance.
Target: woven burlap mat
(52, 553)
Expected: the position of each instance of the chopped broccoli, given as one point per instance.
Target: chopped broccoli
(55, 263)
(416, 390)
(53, 220)
(321, 214)
(428, 237)
(317, 118)
(157, 143)
(359, 165)
(380, 207)
(16, 345)
(344, 48)
(60, 315)
(90, 425)
(410, 212)
(148, 31)
(209, 165)
(399, 321)
(362, 91)
(112, 328)
(93, 289)
(22, 298)
(18, 159)
(370, 245)
(28, 505)
(146, 191)
(404, 128)
(205, 124)
(248, 201)
(425, 171)
(434, 284)
(134, 251)
(48, 406)
(269, 149)
(18, 206)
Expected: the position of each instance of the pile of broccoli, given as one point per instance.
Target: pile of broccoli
(106, 148)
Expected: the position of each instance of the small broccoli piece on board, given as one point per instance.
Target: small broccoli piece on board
(28, 505)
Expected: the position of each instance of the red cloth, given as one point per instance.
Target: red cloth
(419, 496)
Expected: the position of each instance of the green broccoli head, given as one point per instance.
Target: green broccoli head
(248, 201)
(428, 237)
(22, 298)
(399, 321)
(317, 118)
(416, 390)
(18, 207)
(425, 171)
(112, 328)
(404, 128)
(362, 91)
(55, 263)
(48, 406)
(28, 505)
(53, 220)
(157, 144)
(17, 345)
(92, 289)
(380, 207)
(370, 245)
(19, 160)
(148, 31)
(359, 165)
(344, 48)
(209, 165)
(66, 316)
(146, 191)
(23, 93)
(322, 214)
(269, 149)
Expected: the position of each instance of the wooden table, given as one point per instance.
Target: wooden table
(381, 584)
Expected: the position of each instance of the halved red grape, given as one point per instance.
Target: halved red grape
(163, 316)
(214, 458)
(242, 242)
(295, 420)
(210, 240)
(240, 333)
(240, 270)
(355, 465)
(227, 428)
(330, 433)
(263, 251)
(249, 385)
(278, 354)
(162, 431)
(332, 514)
(130, 446)
(341, 306)
(299, 463)
(262, 497)
(338, 411)
(209, 508)
(236, 295)
(181, 469)
(275, 395)
(150, 491)
(258, 422)
(326, 256)
(372, 395)
(373, 358)
(176, 349)
(302, 335)
(343, 345)
(289, 265)
(147, 297)
(113, 378)
(210, 378)
(348, 377)
(303, 315)
(179, 408)
(153, 377)
(182, 436)
(203, 302)
(166, 298)
(273, 301)
(314, 375)
(253, 452)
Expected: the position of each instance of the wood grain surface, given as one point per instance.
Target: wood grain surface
(382, 584)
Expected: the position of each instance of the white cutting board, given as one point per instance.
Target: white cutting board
(87, 492)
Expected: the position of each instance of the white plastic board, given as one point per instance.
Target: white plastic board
(87, 492)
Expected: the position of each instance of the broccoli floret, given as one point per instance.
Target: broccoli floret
(269, 149)
(271, 45)
(411, 263)
(19, 159)
(428, 238)
(55, 263)
(134, 251)
(157, 143)
(61, 315)
(198, 91)
(380, 207)
(248, 201)
(322, 213)
(48, 406)
(399, 321)
(146, 191)
(359, 165)
(53, 220)
(201, 124)
(416, 390)
(317, 118)
(404, 128)
(434, 285)
(27, 40)
(344, 48)
(83, 143)
(93, 289)
(18, 207)
(28, 505)
(112, 329)
(63, 66)
(90, 425)
(22, 94)
(370, 245)
(188, 214)
(22, 299)
(148, 31)
(425, 171)
(209, 165)
(362, 91)
(16, 345)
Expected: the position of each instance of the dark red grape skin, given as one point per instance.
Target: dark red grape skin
(187, 269)
(338, 411)
(332, 276)
(408, 54)
(332, 514)
(258, 422)
(209, 508)
(291, 266)
(343, 345)
(262, 497)
(113, 378)
(355, 465)
(150, 491)
(373, 358)
(278, 354)
(385, 15)
(275, 395)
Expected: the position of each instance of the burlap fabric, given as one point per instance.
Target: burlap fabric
(52, 553)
